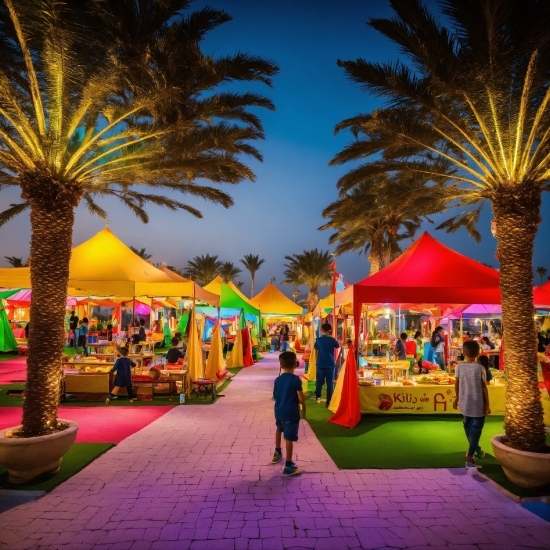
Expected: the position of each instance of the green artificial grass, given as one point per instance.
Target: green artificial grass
(409, 441)
(77, 457)
(10, 400)
(6, 356)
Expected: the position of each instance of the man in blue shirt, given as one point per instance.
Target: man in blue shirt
(288, 396)
(325, 346)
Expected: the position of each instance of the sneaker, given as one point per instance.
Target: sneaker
(291, 471)
(472, 466)
(320, 400)
(130, 400)
(276, 458)
(480, 453)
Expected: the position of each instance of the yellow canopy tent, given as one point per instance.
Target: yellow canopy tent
(272, 302)
(105, 266)
(215, 285)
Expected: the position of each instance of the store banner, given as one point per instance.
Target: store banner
(434, 399)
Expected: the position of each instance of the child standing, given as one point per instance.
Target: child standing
(83, 335)
(472, 399)
(325, 346)
(400, 349)
(123, 379)
(288, 396)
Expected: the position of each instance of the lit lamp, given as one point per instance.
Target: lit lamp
(494, 228)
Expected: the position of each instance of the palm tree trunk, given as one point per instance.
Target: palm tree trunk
(517, 214)
(52, 227)
(376, 255)
(375, 262)
(312, 299)
(252, 285)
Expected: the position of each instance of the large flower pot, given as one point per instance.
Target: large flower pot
(521, 467)
(27, 458)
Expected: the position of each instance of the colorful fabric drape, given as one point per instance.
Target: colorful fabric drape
(7, 339)
(246, 338)
(348, 413)
(312, 369)
(214, 363)
(194, 354)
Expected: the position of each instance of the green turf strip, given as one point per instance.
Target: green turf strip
(8, 355)
(77, 457)
(409, 441)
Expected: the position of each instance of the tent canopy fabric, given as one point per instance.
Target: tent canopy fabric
(430, 272)
(231, 297)
(541, 296)
(271, 301)
(105, 266)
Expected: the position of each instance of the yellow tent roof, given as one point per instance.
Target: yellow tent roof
(215, 285)
(105, 266)
(271, 301)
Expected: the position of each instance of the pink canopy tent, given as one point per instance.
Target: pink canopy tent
(23, 299)
(428, 272)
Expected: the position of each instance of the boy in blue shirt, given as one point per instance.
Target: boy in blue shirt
(325, 346)
(288, 396)
(123, 378)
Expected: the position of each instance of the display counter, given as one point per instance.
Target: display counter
(421, 399)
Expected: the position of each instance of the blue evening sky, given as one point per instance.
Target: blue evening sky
(279, 214)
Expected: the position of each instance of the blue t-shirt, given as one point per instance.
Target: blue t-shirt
(285, 393)
(325, 346)
(400, 350)
(123, 368)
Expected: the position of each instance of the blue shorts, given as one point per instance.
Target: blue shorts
(289, 429)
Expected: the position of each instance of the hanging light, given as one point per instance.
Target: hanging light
(494, 228)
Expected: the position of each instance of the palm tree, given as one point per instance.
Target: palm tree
(252, 264)
(370, 215)
(141, 253)
(542, 272)
(228, 271)
(16, 262)
(239, 285)
(111, 98)
(203, 268)
(476, 93)
(310, 268)
(295, 293)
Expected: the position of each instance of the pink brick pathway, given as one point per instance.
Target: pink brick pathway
(198, 478)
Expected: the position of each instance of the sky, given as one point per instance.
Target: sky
(279, 214)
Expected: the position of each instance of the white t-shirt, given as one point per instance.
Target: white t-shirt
(471, 379)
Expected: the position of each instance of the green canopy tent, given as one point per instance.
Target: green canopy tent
(7, 339)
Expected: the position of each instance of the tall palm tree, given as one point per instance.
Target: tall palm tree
(111, 98)
(16, 262)
(542, 272)
(252, 264)
(203, 268)
(370, 215)
(310, 268)
(228, 271)
(239, 285)
(475, 92)
(141, 253)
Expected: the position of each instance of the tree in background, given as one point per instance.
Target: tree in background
(228, 271)
(141, 253)
(16, 262)
(239, 285)
(112, 98)
(542, 272)
(252, 264)
(310, 268)
(475, 92)
(203, 269)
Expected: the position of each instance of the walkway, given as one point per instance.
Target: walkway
(199, 478)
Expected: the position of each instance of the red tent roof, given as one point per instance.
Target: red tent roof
(430, 272)
(541, 295)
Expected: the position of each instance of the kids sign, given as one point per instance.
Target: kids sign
(420, 399)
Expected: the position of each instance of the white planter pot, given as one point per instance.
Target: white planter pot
(29, 457)
(521, 467)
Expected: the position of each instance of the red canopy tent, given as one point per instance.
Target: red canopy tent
(428, 272)
(541, 295)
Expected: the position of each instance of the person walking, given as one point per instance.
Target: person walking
(288, 396)
(325, 346)
(73, 325)
(123, 378)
